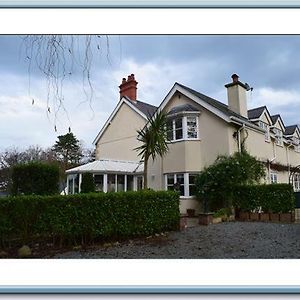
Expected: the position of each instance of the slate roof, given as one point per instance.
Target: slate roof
(182, 108)
(255, 113)
(289, 130)
(145, 108)
(215, 103)
(274, 118)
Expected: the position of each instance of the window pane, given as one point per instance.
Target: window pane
(129, 182)
(76, 183)
(180, 178)
(121, 183)
(70, 184)
(170, 130)
(192, 187)
(180, 183)
(170, 179)
(178, 129)
(98, 179)
(139, 183)
(192, 127)
(111, 182)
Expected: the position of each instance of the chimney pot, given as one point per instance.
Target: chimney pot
(235, 78)
(128, 88)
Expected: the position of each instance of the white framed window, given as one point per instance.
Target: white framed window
(273, 178)
(184, 183)
(192, 127)
(265, 127)
(297, 182)
(183, 128)
(278, 136)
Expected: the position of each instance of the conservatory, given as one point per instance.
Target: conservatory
(109, 176)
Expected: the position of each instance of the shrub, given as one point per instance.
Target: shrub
(87, 183)
(222, 212)
(83, 218)
(35, 178)
(217, 182)
(276, 198)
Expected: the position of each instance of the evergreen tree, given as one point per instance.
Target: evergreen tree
(68, 150)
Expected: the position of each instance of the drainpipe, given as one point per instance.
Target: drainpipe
(288, 159)
(239, 137)
(269, 165)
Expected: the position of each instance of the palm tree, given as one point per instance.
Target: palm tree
(154, 140)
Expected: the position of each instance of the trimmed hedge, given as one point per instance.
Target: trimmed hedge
(276, 198)
(83, 218)
(35, 178)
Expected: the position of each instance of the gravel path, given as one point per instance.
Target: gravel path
(224, 240)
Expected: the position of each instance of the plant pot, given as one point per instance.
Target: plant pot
(274, 217)
(190, 212)
(264, 217)
(286, 217)
(205, 218)
(243, 216)
(217, 220)
(254, 216)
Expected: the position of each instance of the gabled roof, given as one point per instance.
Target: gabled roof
(109, 166)
(145, 110)
(290, 130)
(255, 113)
(275, 118)
(213, 102)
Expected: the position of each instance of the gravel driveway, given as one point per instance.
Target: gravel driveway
(224, 240)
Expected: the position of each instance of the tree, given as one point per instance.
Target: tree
(87, 184)
(67, 150)
(154, 140)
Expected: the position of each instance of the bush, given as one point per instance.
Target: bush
(83, 218)
(217, 182)
(35, 178)
(222, 212)
(276, 198)
(87, 183)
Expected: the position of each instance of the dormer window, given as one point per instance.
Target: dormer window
(265, 127)
(278, 136)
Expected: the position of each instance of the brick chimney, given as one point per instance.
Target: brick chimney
(237, 98)
(128, 87)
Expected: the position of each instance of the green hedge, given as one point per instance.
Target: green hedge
(82, 218)
(35, 178)
(276, 198)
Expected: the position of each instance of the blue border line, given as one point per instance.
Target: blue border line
(22, 289)
(150, 4)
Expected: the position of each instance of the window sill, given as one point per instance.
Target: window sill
(183, 140)
(187, 197)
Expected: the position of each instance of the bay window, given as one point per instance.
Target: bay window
(182, 128)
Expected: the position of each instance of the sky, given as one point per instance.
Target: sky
(269, 64)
